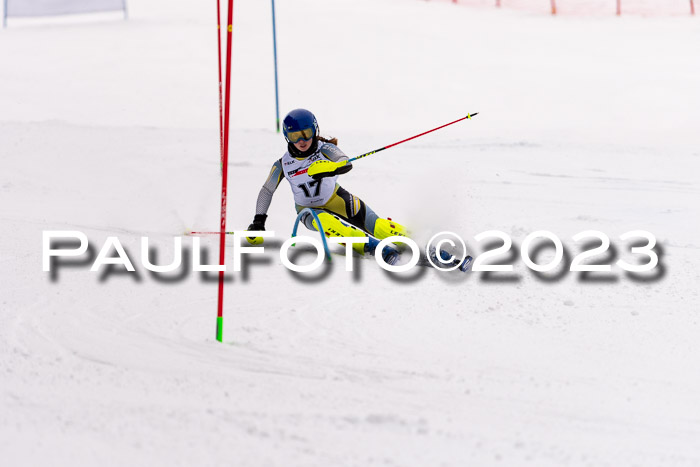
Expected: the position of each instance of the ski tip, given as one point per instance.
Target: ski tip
(472, 115)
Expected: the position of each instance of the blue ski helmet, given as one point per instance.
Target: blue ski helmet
(299, 124)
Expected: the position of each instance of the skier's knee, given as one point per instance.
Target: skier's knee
(308, 221)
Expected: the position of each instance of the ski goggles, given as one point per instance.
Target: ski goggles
(305, 134)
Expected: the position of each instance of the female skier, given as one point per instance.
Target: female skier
(311, 165)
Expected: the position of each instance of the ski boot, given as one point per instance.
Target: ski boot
(390, 253)
(462, 266)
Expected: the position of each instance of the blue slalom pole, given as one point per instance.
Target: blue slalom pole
(318, 223)
(274, 48)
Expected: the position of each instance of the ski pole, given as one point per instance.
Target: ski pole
(469, 116)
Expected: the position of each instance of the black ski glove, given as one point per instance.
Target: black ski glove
(258, 224)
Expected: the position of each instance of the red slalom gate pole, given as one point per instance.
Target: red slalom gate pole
(554, 7)
(224, 174)
(619, 8)
(221, 110)
(194, 232)
(692, 8)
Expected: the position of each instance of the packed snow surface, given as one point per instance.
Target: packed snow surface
(110, 127)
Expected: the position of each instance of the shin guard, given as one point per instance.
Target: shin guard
(334, 227)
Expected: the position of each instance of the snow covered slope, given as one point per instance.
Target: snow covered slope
(110, 128)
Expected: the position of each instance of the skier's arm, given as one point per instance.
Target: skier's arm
(337, 163)
(264, 200)
(268, 188)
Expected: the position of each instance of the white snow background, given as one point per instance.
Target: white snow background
(111, 127)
